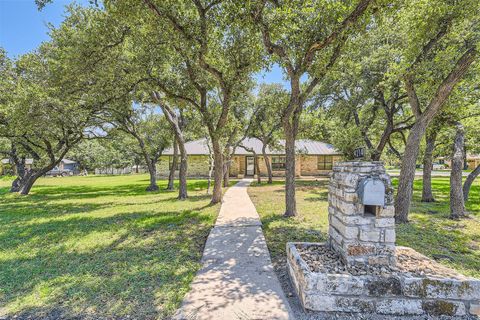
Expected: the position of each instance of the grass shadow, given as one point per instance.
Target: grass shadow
(100, 248)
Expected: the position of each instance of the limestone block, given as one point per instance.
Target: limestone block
(335, 235)
(317, 302)
(328, 303)
(346, 231)
(399, 307)
(351, 304)
(346, 284)
(346, 179)
(350, 196)
(384, 222)
(332, 200)
(390, 235)
(332, 190)
(384, 286)
(387, 212)
(347, 208)
(358, 220)
(370, 235)
(293, 278)
(442, 288)
(443, 308)
(339, 284)
(332, 183)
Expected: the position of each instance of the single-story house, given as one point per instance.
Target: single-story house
(6, 167)
(314, 158)
(472, 161)
(67, 164)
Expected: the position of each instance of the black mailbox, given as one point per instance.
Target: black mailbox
(371, 191)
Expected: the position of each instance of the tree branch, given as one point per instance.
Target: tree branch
(351, 19)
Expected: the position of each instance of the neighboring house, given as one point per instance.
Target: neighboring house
(67, 164)
(313, 158)
(8, 167)
(473, 160)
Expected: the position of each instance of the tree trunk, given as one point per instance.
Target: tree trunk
(427, 195)
(457, 203)
(290, 201)
(29, 180)
(217, 172)
(267, 164)
(137, 163)
(152, 170)
(175, 122)
(407, 172)
(33, 175)
(257, 169)
(182, 174)
(210, 167)
(226, 172)
(171, 175)
(21, 172)
(469, 181)
(16, 184)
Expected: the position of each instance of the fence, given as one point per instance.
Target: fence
(119, 171)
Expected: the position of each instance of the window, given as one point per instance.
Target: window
(325, 162)
(170, 163)
(278, 163)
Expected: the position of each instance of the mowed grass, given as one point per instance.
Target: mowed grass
(99, 247)
(453, 243)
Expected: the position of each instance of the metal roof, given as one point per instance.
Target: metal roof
(27, 161)
(68, 161)
(30, 161)
(310, 147)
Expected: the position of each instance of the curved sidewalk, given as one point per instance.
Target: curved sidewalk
(236, 280)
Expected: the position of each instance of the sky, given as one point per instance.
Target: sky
(23, 27)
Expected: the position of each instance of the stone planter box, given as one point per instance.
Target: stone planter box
(390, 295)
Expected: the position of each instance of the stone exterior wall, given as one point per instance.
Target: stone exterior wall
(309, 165)
(389, 295)
(198, 166)
(236, 166)
(358, 237)
(277, 173)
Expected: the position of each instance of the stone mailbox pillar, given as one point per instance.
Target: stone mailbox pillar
(361, 213)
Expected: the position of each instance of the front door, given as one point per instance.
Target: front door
(250, 166)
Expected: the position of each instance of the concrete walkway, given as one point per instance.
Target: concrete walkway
(237, 280)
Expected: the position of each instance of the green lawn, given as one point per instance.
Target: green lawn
(454, 243)
(99, 247)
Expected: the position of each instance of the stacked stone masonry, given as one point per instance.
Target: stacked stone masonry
(360, 237)
(390, 295)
